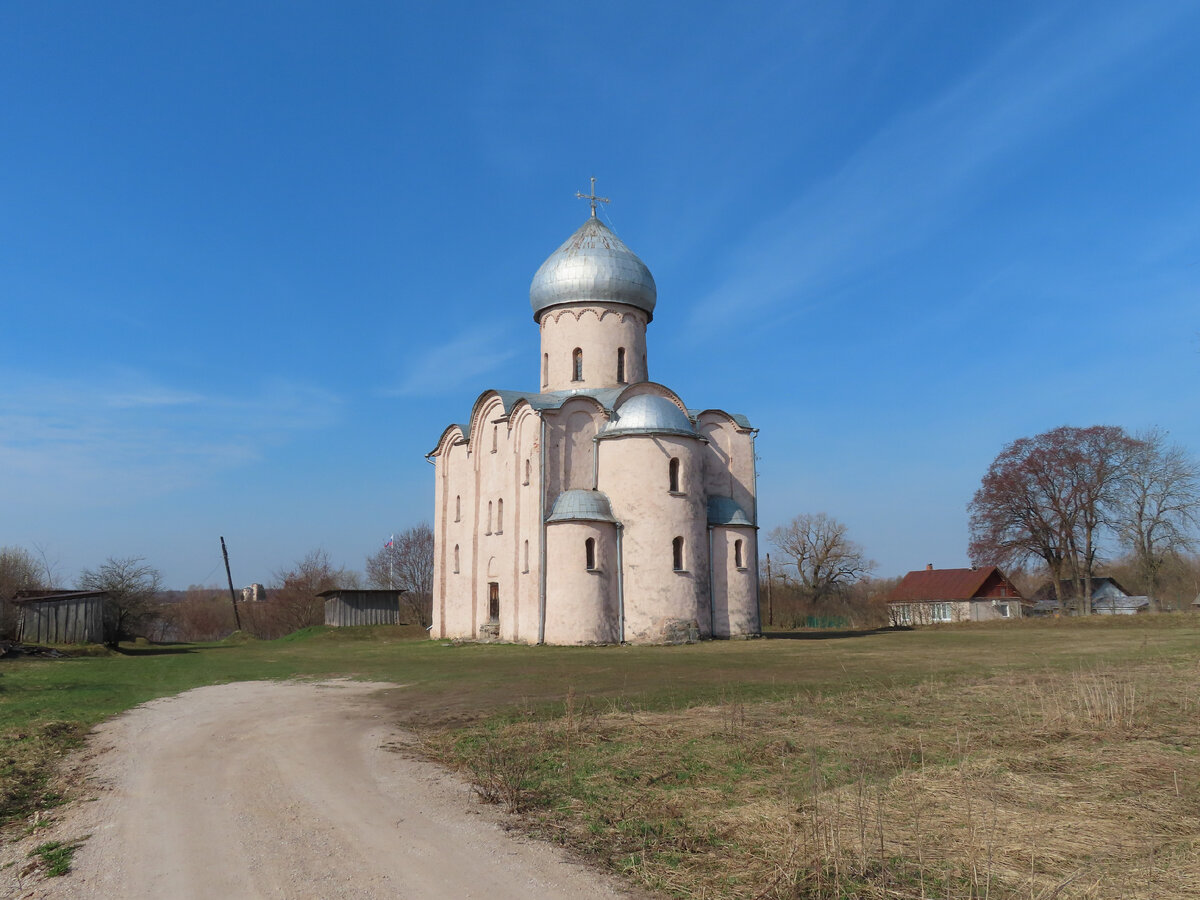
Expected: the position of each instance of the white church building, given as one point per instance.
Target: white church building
(601, 508)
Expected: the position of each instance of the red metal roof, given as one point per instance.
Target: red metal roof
(944, 584)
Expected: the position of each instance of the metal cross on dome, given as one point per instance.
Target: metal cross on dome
(592, 197)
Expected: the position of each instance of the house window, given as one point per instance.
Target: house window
(589, 551)
(677, 554)
(620, 365)
(499, 517)
(545, 370)
(456, 559)
(495, 437)
(942, 612)
(528, 468)
(673, 475)
(737, 554)
(489, 521)
(577, 365)
(458, 507)
(1002, 610)
(526, 568)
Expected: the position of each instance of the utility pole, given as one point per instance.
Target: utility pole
(770, 605)
(237, 620)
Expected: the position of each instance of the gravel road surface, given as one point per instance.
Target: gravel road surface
(283, 789)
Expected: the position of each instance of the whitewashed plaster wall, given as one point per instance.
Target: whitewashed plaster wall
(735, 588)
(634, 475)
(581, 603)
(599, 332)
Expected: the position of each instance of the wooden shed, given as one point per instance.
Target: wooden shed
(353, 606)
(60, 617)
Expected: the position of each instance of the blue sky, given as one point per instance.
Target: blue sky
(255, 257)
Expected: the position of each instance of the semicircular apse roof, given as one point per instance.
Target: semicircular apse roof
(648, 414)
(725, 511)
(581, 506)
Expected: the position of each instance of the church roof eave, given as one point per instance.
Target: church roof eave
(739, 420)
(462, 432)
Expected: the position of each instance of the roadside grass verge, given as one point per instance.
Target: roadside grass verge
(978, 761)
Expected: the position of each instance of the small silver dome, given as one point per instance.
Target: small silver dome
(593, 266)
(648, 414)
(581, 506)
(725, 511)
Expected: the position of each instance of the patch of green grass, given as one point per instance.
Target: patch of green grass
(56, 856)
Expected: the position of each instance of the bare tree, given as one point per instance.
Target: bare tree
(825, 559)
(406, 562)
(19, 571)
(1160, 504)
(294, 602)
(1052, 497)
(203, 613)
(132, 586)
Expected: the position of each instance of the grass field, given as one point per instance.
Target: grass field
(1023, 760)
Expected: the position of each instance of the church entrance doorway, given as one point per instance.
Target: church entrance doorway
(493, 601)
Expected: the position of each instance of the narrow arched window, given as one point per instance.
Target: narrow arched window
(458, 507)
(620, 365)
(489, 522)
(677, 554)
(456, 559)
(589, 550)
(545, 370)
(526, 567)
(673, 475)
(737, 554)
(577, 365)
(499, 517)
(495, 437)
(528, 468)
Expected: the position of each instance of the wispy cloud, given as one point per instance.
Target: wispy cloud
(916, 174)
(443, 367)
(119, 436)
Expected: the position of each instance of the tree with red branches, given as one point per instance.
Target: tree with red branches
(1053, 497)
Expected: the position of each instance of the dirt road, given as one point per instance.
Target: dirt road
(270, 789)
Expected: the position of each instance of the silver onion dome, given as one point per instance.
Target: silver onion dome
(593, 266)
(648, 414)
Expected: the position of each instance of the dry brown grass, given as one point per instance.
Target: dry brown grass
(1083, 784)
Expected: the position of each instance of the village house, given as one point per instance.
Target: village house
(1109, 598)
(930, 596)
(600, 508)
